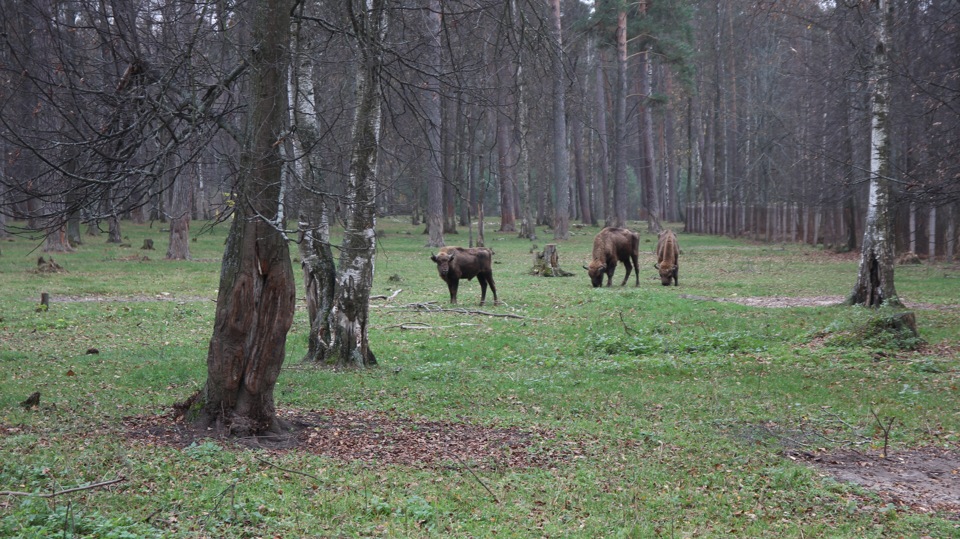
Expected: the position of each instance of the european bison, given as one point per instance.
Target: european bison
(668, 258)
(610, 246)
(455, 263)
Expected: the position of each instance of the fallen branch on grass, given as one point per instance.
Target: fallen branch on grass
(388, 298)
(66, 491)
(433, 307)
(421, 325)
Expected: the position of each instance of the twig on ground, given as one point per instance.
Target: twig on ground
(421, 325)
(482, 484)
(885, 429)
(626, 329)
(433, 307)
(66, 491)
(484, 313)
(268, 463)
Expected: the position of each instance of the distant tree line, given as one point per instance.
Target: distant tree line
(736, 117)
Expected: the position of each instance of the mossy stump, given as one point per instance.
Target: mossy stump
(547, 263)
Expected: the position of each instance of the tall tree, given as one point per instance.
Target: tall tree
(875, 286)
(433, 118)
(349, 342)
(257, 294)
(561, 154)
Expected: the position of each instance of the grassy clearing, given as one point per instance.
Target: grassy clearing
(679, 409)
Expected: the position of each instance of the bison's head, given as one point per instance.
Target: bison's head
(666, 273)
(443, 261)
(596, 270)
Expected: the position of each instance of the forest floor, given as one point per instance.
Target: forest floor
(924, 479)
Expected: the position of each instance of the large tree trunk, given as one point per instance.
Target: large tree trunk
(561, 156)
(875, 285)
(257, 294)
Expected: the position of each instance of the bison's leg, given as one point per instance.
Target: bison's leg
(636, 269)
(676, 273)
(486, 279)
(452, 285)
(626, 264)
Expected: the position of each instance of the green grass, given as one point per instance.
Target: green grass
(662, 393)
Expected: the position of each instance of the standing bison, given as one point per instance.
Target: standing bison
(668, 258)
(610, 246)
(455, 263)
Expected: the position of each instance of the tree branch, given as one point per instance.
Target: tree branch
(67, 491)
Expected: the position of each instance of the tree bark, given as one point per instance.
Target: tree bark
(257, 295)
(181, 206)
(875, 286)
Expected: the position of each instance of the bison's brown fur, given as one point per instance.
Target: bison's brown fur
(455, 263)
(614, 245)
(668, 258)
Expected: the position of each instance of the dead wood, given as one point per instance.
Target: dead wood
(66, 491)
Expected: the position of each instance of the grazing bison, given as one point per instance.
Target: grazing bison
(610, 246)
(455, 263)
(668, 258)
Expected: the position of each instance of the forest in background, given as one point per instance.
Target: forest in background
(735, 117)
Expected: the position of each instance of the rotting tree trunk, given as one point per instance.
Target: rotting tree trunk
(875, 285)
(257, 294)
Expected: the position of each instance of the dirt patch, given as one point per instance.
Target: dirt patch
(924, 480)
(371, 436)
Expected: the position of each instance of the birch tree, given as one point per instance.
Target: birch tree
(349, 345)
(875, 286)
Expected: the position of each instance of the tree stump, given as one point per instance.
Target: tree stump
(44, 302)
(48, 266)
(904, 322)
(909, 257)
(547, 263)
(147, 244)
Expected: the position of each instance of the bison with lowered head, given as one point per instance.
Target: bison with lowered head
(614, 245)
(668, 258)
(455, 263)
